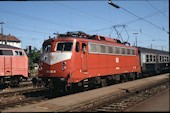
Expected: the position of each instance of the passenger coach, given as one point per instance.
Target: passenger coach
(153, 61)
(78, 59)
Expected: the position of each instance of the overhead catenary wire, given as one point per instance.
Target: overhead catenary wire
(143, 19)
(28, 30)
(39, 19)
(156, 9)
(84, 13)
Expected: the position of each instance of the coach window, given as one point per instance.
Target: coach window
(151, 58)
(77, 47)
(167, 59)
(160, 60)
(154, 58)
(147, 58)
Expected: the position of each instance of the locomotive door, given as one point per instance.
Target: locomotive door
(7, 65)
(84, 53)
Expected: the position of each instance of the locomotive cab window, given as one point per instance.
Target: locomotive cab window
(21, 53)
(77, 47)
(64, 46)
(16, 53)
(47, 48)
(84, 47)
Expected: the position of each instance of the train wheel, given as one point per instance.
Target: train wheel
(103, 82)
(124, 78)
(14, 82)
(68, 88)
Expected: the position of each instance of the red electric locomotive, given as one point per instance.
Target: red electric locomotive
(76, 59)
(13, 65)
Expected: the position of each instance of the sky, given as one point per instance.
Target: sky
(34, 21)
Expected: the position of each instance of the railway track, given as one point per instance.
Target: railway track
(20, 91)
(121, 101)
(23, 97)
(113, 102)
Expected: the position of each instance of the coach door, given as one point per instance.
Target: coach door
(84, 53)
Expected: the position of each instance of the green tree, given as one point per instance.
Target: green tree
(33, 57)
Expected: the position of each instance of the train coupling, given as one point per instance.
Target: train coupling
(37, 82)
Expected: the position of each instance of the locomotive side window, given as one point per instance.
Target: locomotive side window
(102, 49)
(64, 46)
(93, 48)
(133, 52)
(117, 50)
(6, 52)
(128, 51)
(110, 49)
(123, 50)
(77, 47)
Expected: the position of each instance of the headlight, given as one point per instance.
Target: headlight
(63, 63)
(63, 68)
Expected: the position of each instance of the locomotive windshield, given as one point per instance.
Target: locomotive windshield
(46, 48)
(64, 46)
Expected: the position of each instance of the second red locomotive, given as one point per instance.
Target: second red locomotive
(76, 59)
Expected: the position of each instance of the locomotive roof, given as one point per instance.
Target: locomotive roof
(154, 51)
(86, 37)
(82, 35)
(8, 46)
